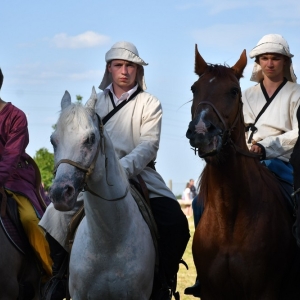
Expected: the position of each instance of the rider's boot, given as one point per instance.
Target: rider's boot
(194, 290)
(161, 290)
(56, 287)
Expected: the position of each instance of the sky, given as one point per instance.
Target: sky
(47, 47)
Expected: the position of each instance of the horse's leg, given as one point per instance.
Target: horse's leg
(32, 278)
(10, 264)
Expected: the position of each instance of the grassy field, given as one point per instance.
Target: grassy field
(187, 277)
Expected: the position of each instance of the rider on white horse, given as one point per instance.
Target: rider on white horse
(135, 132)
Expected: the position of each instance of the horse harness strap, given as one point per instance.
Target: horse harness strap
(252, 125)
(144, 188)
(117, 108)
(269, 101)
(3, 202)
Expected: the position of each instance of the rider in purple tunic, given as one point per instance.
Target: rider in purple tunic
(20, 178)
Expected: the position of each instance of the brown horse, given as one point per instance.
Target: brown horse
(295, 162)
(19, 272)
(243, 246)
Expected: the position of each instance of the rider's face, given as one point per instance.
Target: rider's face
(272, 65)
(123, 73)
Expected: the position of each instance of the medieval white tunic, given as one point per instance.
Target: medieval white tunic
(277, 126)
(135, 133)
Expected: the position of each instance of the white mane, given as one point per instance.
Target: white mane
(77, 114)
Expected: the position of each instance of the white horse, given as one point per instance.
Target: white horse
(113, 254)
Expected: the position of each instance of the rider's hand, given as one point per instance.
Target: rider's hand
(259, 149)
(256, 149)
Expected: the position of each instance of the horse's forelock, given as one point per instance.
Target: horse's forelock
(219, 70)
(75, 113)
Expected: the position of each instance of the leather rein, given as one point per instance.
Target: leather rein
(226, 135)
(89, 170)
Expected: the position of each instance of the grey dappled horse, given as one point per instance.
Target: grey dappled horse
(113, 254)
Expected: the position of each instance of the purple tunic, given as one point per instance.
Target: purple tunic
(17, 172)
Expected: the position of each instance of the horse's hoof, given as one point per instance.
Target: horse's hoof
(194, 290)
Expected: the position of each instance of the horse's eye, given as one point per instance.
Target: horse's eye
(234, 92)
(53, 143)
(90, 140)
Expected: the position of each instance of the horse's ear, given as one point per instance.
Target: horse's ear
(1, 78)
(200, 64)
(66, 100)
(93, 99)
(240, 65)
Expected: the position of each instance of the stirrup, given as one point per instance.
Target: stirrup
(51, 285)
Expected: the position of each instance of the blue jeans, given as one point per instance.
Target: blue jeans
(198, 208)
(283, 170)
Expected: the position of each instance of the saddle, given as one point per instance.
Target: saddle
(10, 221)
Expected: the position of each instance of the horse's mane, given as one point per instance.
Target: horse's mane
(77, 112)
(262, 173)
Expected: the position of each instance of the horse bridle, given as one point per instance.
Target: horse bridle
(89, 170)
(226, 135)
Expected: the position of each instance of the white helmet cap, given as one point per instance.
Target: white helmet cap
(272, 43)
(124, 51)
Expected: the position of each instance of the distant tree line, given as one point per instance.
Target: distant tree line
(45, 161)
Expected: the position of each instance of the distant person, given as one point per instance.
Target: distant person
(192, 188)
(135, 131)
(187, 200)
(18, 177)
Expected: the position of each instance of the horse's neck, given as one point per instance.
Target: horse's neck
(106, 214)
(111, 211)
(231, 180)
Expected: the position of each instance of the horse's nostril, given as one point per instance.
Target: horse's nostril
(69, 191)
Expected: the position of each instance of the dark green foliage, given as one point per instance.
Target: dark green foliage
(45, 161)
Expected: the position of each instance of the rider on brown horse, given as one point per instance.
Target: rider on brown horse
(269, 110)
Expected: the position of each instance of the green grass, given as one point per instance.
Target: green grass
(186, 277)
